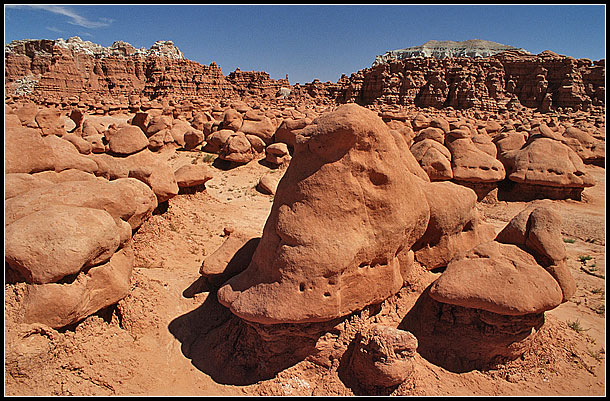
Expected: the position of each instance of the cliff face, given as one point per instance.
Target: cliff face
(79, 71)
(492, 83)
(446, 48)
(57, 70)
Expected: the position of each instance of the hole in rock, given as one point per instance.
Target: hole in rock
(378, 178)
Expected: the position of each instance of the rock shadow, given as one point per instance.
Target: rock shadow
(272, 166)
(462, 339)
(235, 352)
(225, 165)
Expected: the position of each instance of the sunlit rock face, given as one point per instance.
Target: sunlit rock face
(446, 48)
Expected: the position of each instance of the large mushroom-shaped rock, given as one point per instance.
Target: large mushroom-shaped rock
(499, 278)
(345, 209)
(537, 228)
(434, 158)
(546, 168)
(383, 356)
(72, 238)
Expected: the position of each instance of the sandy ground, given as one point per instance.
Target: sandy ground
(130, 350)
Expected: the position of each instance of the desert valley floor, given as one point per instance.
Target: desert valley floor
(148, 351)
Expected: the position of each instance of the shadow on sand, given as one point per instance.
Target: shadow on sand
(235, 352)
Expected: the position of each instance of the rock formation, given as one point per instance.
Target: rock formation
(74, 71)
(446, 48)
(489, 303)
(346, 169)
(544, 81)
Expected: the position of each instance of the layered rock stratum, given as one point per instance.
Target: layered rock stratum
(73, 70)
(447, 48)
(498, 79)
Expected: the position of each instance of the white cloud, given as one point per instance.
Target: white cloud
(75, 18)
(54, 29)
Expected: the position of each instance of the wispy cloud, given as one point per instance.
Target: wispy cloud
(53, 29)
(75, 18)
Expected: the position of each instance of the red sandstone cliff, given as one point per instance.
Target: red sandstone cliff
(537, 81)
(55, 71)
(78, 71)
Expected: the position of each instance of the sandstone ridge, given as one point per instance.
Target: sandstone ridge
(447, 48)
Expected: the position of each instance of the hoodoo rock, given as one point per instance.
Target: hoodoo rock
(498, 278)
(537, 228)
(546, 168)
(488, 304)
(345, 209)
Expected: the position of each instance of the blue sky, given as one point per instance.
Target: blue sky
(313, 41)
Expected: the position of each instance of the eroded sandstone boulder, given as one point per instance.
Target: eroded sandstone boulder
(71, 239)
(345, 208)
(537, 228)
(546, 168)
(499, 278)
(58, 305)
(383, 356)
(454, 227)
(124, 198)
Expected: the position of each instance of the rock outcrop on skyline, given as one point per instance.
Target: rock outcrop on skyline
(506, 81)
(75, 71)
(447, 48)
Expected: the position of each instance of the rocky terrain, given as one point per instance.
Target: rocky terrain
(441, 234)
